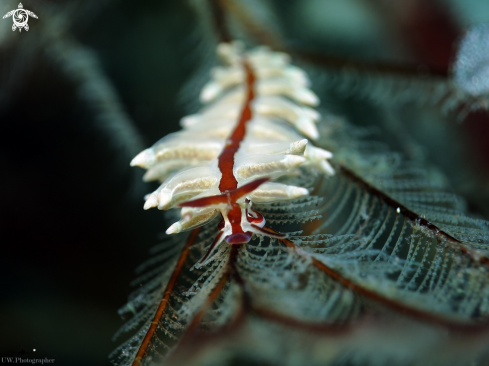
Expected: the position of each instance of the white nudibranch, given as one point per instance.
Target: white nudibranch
(190, 164)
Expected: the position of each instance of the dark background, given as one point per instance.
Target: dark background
(72, 227)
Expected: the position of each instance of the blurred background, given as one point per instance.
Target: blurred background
(94, 82)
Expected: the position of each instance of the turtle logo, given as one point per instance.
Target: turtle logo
(20, 17)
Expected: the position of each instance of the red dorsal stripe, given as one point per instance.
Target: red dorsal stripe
(234, 195)
(228, 184)
(226, 159)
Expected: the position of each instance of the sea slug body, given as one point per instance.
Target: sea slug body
(227, 155)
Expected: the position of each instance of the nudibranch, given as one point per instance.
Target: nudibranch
(227, 155)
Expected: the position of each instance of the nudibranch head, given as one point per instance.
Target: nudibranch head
(242, 233)
(239, 238)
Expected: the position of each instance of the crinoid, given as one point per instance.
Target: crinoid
(285, 259)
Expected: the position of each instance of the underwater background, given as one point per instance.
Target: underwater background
(92, 83)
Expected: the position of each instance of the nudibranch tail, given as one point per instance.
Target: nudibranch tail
(227, 154)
